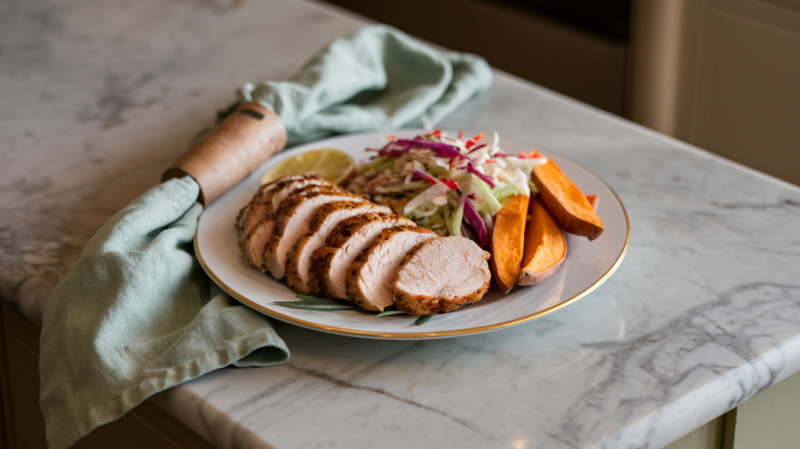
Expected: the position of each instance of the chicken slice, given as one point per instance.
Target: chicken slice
(325, 220)
(294, 186)
(344, 244)
(260, 234)
(256, 221)
(441, 275)
(262, 195)
(267, 191)
(271, 195)
(257, 241)
(370, 279)
(292, 220)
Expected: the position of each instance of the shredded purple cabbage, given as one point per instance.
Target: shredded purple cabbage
(476, 148)
(424, 176)
(471, 168)
(402, 146)
(394, 149)
(476, 223)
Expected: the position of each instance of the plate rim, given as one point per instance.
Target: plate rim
(437, 334)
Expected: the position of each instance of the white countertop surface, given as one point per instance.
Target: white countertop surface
(98, 98)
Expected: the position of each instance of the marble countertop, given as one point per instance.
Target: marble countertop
(98, 98)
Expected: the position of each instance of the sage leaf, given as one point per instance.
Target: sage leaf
(314, 300)
(390, 312)
(422, 320)
(306, 306)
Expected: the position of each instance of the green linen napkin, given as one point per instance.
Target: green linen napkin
(137, 315)
(376, 79)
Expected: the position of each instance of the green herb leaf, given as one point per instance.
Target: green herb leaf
(390, 312)
(307, 306)
(314, 300)
(422, 320)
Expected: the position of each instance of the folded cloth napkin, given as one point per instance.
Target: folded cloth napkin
(137, 315)
(376, 79)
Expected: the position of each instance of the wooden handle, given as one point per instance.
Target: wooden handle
(231, 151)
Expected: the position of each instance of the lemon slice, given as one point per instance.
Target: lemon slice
(330, 164)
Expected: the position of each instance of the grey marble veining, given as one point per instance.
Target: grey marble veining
(99, 97)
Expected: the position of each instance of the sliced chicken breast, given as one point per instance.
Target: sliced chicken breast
(256, 222)
(263, 194)
(254, 251)
(267, 191)
(292, 187)
(242, 218)
(267, 188)
(441, 275)
(252, 218)
(271, 194)
(259, 234)
(370, 279)
(325, 220)
(344, 244)
(292, 220)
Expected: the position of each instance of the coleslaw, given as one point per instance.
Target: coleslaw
(450, 185)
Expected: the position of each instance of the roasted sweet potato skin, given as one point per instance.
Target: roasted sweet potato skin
(507, 243)
(565, 202)
(545, 246)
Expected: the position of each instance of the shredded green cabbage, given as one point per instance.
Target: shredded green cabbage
(380, 164)
(489, 204)
(454, 224)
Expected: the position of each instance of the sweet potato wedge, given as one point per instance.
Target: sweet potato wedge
(545, 246)
(593, 199)
(565, 202)
(508, 239)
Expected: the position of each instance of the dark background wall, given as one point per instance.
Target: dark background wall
(576, 47)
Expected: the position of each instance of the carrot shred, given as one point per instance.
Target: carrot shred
(531, 155)
(449, 183)
(471, 142)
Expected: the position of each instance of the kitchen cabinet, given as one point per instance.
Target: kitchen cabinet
(723, 75)
(145, 426)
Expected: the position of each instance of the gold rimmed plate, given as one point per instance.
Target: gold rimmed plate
(587, 266)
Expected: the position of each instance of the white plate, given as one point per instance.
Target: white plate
(588, 264)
